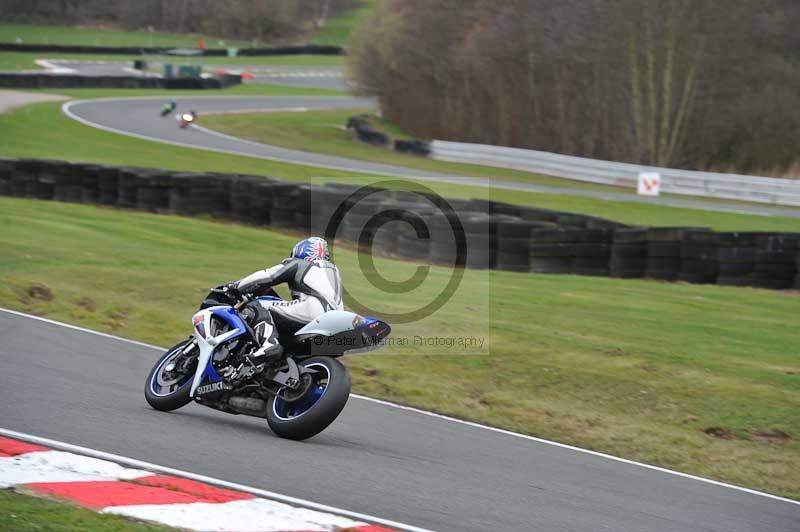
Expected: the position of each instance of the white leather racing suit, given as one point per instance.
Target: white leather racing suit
(316, 288)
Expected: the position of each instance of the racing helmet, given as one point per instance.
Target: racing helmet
(312, 249)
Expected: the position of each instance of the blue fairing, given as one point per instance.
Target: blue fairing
(372, 324)
(373, 331)
(210, 375)
(232, 318)
(268, 298)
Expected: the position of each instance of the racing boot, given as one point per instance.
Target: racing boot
(253, 364)
(268, 351)
(267, 336)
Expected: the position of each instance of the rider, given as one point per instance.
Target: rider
(169, 107)
(315, 285)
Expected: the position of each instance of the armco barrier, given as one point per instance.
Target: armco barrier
(308, 49)
(61, 81)
(702, 184)
(405, 225)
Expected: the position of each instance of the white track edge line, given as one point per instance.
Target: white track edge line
(473, 181)
(66, 108)
(470, 181)
(141, 464)
(225, 136)
(454, 180)
(573, 448)
(51, 68)
(81, 329)
(460, 421)
(253, 111)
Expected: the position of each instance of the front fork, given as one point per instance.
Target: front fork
(182, 361)
(189, 348)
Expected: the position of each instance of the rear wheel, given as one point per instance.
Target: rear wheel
(168, 384)
(325, 393)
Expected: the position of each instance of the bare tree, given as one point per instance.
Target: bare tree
(697, 83)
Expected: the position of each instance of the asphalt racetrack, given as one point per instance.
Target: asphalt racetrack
(139, 117)
(417, 469)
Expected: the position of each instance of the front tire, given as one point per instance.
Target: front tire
(318, 407)
(167, 391)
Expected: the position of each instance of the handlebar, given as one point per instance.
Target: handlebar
(245, 300)
(239, 299)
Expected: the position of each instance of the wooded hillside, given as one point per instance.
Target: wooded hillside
(686, 83)
(261, 20)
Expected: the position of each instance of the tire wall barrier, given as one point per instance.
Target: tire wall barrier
(58, 81)
(362, 129)
(797, 269)
(308, 49)
(497, 235)
(699, 262)
(664, 252)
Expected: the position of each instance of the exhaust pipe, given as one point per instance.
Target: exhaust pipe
(249, 406)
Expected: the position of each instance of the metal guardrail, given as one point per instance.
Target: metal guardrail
(685, 182)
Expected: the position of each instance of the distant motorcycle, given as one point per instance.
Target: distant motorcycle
(299, 393)
(167, 108)
(184, 119)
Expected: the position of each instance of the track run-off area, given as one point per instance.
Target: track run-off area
(405, 465)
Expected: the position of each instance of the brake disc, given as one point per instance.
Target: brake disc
(290, 395)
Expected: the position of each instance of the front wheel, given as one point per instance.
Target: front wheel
(326, 393)
(168, 384)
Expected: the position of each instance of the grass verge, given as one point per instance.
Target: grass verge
(23, 512)
(338, 29)
(323, 132)
(41, 130)
(702, 379)
(98, 36)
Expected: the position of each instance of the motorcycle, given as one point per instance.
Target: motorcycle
(184, 119)
(167, 108)
(299, 393)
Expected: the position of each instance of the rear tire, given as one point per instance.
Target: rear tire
(287, 420)
(177, 397)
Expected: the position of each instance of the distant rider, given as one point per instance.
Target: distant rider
(168, 107)
(316, 288)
